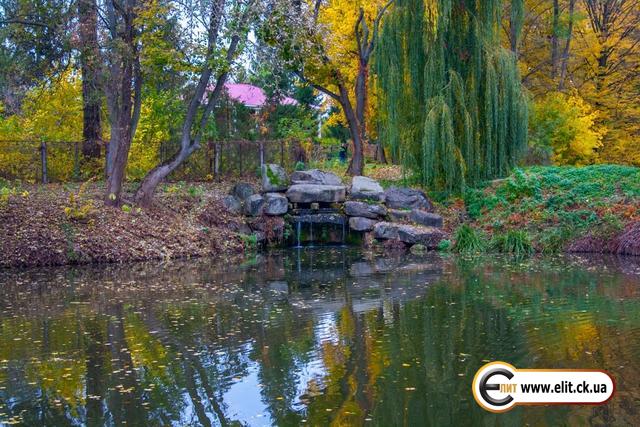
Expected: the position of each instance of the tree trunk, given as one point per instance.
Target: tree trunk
(144, 194)
(122, 146)
(554, 38)
(567, 47)
(91, 96)
(356, 166)
(380, 155)
(191, 135)
(122, 78)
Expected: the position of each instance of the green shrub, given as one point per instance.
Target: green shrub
(250, 242)
(444, 246)
(519, 185)
(468, 240)
(79, 208)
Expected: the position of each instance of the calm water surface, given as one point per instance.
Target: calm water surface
(316, 336)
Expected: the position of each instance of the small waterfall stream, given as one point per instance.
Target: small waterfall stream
(327, 226)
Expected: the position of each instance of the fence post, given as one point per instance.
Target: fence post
(43, 162)
(261, 154)
(282, 152)
(216, 158)
(76, 161)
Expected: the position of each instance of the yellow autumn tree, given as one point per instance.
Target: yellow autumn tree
(51, 113)
(592, 48)
(566, 127)
(340, 17)
(330, 45)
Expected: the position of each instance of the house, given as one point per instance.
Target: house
(252, 96)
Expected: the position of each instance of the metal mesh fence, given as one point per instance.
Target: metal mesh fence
(61, 161)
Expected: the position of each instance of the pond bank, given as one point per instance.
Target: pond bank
(593, 209)
(68, 224)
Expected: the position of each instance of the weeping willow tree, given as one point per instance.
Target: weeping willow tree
(452, 109)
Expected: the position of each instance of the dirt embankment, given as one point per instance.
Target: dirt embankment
(55, 225)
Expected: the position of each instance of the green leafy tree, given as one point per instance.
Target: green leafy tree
(452, 108)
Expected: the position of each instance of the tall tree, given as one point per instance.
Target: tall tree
(90, 66)
(612, 78)
(226, 24)
(35, 45)
(320, 41)
(567, 47)
(451, 101)
(123, 85)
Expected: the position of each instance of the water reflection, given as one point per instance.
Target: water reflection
(315, 336)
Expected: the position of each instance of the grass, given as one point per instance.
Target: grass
(516, 242)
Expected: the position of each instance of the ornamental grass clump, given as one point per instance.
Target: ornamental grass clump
(516, 242)
(468, 240)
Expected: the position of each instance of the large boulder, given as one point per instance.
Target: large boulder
(364, 210)
(406, 198)
(430, 237)
(315, 176)
(427, 219)
(274, 178)
(232, 204)
(311, 193)
(396, 215)
(242, 191)
(361, 224)
(254, 205)
(275, 204)
(363, 188)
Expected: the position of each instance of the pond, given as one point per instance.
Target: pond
(316, 336)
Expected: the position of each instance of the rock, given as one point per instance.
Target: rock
(326, 218)
(399, 216)
(425, 218)
(363, 187)
(427, 236)
(406, 198)
(361, 269)
(310, 193)
(365, 210)
(361, 224)
(274, 178)
(385, 231)
(409, 234)
(279, 287)
(315, 176)
(242, 191)
(254, 205)
(260, 237)
(275, 204)
(243, 228)
(232, 204)
(418, 249)
(368, 240)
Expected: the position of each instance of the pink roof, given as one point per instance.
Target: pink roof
(252, 96)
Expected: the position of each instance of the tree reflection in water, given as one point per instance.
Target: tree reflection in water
(319, 336)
